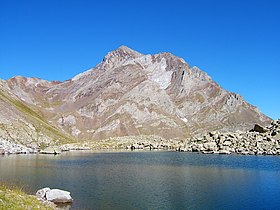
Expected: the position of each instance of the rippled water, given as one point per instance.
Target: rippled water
(151, 180)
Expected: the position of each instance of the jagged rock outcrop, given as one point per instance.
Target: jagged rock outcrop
(127, 94)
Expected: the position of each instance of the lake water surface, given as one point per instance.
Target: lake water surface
(151, 180)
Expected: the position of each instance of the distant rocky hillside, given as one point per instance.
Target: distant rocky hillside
(128, 93)
(23, 124)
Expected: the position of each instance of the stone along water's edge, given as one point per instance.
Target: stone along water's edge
(8, 147)
(54, 197)
(258, 141)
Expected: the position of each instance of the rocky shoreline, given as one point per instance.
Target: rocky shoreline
(8, 147)
(258, 141)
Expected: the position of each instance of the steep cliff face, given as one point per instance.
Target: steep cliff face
(129, 93)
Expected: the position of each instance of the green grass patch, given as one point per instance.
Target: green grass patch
(13, 198)
(21, 107)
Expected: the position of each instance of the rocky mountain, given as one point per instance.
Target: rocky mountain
(128, 93)
(24, 124)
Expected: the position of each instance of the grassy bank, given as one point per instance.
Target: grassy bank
(13, 198)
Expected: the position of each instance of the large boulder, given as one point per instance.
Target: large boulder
(224, 152)
(42, 192)
(54, 195)
(59, 196)
(210, 146)
(260, 129)
(51, 150)
(2, 152)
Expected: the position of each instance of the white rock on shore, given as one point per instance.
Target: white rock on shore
(54, 195)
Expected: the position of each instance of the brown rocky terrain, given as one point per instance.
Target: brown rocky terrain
(127, 94)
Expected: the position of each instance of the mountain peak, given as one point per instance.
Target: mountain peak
(123, 52)
(118, 56)
(124, 48)
(127, 50)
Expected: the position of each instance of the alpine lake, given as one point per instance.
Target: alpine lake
(150, 180)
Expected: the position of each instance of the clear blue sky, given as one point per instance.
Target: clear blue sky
(236, 42)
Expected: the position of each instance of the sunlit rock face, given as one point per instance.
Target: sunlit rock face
(130, 93)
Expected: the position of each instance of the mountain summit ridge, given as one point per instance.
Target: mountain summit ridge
(129, 93)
